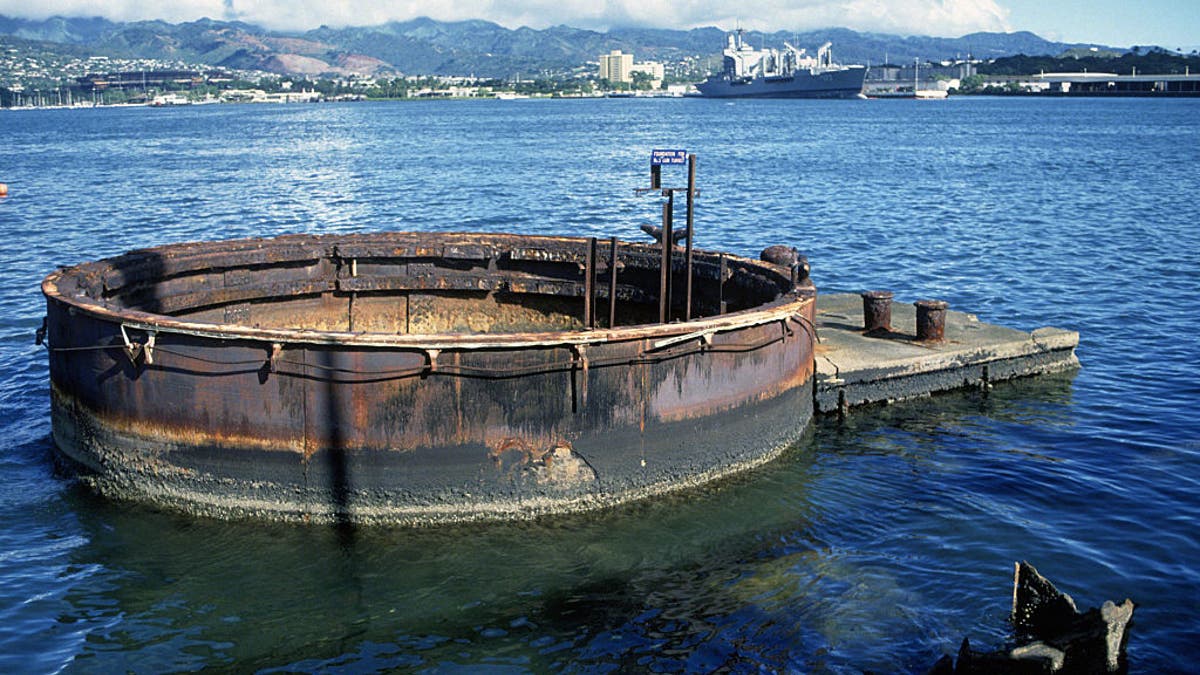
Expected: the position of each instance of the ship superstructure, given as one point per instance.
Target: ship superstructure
(786, 73)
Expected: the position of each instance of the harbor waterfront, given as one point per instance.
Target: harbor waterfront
(874, 543)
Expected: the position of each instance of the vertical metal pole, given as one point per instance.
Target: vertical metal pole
(589, 285)
(669, 244)
(721, 285)
(612, 282)
(663, 264)
(691, 201)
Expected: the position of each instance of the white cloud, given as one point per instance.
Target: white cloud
(925, 17)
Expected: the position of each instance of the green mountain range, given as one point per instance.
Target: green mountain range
(481, 48)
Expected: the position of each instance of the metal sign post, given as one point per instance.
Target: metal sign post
(691, 203)
(658, 159)
(668, 251)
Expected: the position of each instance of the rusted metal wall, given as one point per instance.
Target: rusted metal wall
(230, 412)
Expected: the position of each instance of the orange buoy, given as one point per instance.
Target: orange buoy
(3, 190)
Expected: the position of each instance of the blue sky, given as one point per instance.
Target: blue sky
(1123, 23)
(1120, 23)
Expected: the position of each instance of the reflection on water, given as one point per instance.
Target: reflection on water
(805, 562)
(308, 591)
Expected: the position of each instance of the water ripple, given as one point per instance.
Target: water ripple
(876, 544)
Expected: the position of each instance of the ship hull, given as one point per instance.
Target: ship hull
(847, 83)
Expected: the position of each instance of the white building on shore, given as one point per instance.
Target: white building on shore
(652, 69)
(618, 68)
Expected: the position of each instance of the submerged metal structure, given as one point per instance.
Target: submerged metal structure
(422, 377)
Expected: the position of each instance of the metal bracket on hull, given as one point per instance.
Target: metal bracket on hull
(705, 337)
(135, 349)
(580, 361)
(273, 359)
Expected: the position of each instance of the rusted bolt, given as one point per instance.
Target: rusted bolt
(877, 311)
(931, 320)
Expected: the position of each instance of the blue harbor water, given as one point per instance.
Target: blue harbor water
(876, 544)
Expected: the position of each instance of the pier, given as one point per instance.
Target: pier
(889, 363)
(1112, 84)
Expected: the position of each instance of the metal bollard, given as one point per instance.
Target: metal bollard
(877, 311)
(931, 320)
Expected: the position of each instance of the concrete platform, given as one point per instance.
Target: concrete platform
(854, 369)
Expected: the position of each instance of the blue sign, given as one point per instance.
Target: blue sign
(660, 157)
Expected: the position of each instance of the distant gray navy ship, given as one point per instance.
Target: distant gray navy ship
(771, 73)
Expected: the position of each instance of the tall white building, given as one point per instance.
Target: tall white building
(616, 67)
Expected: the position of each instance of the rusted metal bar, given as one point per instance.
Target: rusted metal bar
(417, 342)
(669, 247)
(664, 280)
(691, 202)
(589, 285)
(721, 270)
(877, 311)
(612, 282)
(931, 320)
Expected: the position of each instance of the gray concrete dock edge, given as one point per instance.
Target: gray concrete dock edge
(854, 369)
